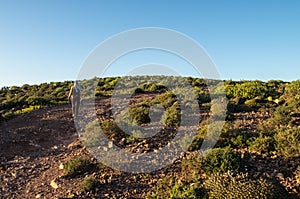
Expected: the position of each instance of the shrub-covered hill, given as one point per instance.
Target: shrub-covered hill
(243, 94)
(256, 156)
(15, 100)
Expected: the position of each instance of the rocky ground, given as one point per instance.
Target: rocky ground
(34, 146)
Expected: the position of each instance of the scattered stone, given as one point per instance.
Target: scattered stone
(280, 176)
(53, 184)
(61, 166)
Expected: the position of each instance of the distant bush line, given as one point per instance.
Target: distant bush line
(243, 95)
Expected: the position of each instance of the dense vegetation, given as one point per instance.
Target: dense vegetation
(16, 100)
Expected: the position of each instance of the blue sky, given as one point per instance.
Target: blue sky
(43, 41)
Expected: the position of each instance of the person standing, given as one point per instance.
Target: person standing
(75, 98)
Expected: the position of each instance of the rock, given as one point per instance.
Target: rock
(71, 195)
(53, 184)
(110, 144)
(61, 166)
(280, 176)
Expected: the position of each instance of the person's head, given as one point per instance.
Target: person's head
(77, 86)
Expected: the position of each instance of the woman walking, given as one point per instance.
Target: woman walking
(74, 98)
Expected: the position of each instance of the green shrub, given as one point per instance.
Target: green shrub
(180, 191)
(221, 160)
(172, 116)
(247, 90)
(288, 142)
(203, 97)
(139, 91)
(162, 188)
(199, 138)
(237, 105)
(290, 103)
(196, 144)
(139, 113)
(167, 99)
(170, 188)
(88, 184)
(191, 168)
(281, 117)
(152, 87)
(77, 166)
(93, 136)
(234, 135)
(240, 186)
(292, 89)
(262, 144)
(111, 129)
(239, 141)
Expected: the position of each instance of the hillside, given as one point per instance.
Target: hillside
(42, 157)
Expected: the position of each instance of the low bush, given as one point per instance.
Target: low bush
(247, 90)
(191, 168)
(77, 166)
(111, 129)
(262, 144)
(93, 136)
(162, 188)
(288, 142)
(239, 141)
(234, 135)
(172, 116)
(240, 186)
(171, 188)
(88, 184)
(139, 113)
(180, 191)
(167, 99)
(221, 160)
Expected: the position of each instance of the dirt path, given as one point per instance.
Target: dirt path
(34, 145)
(37, 132)
(31, 146)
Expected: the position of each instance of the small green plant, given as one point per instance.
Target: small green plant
(88, 184)
(172, 188)
(162, 188)
(111, 129)
(167, 99)
(241, 186)
(262, 144)
(172, 116)
(93, 136)
(77, 166)
(239, 141)
(139, 113)
(288, 142)
(221, 160)
(27, 110)
(191, 168)
(180, 191)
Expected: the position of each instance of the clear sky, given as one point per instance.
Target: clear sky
(43, 41)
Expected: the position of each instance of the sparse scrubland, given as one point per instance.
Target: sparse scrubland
(256, 156)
